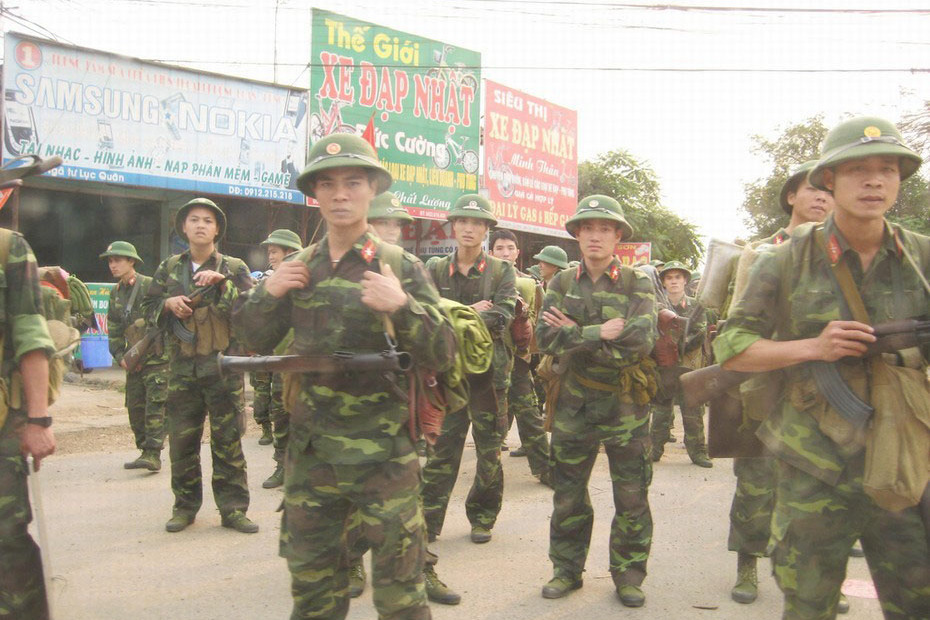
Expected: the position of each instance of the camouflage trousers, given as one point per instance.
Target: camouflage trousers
(815, 525)
(692, 418)
(191, 400)
(261, 396)
(22, 586)
(523, 407)
(573, 516)
(280, 419)
(318, 501)
(753, 501)
(442, 466)
(146, 392)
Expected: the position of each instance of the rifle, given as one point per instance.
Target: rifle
(340, 362)
(133, 357)
(700, 386)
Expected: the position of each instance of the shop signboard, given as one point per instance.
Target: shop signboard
(425, 238)
(100, 300)
(420, 95)
(634, 253)
(120, 120)
(531, 160)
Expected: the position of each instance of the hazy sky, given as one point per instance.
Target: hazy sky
(619, 65)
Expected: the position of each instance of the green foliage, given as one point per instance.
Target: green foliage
(801, 142)
(635, 186)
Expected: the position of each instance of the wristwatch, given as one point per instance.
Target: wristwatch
(44, 422)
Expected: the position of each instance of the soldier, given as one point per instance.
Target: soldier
(551, 259)
(279, 245)
(751, 511)
(23, 432)
(600, 319)
(196, 391)
(350, 447)
(789, 314)
(675, 277)
(261, 399)
(487, 284)
(147, 383)
(388, 216)
(521, 398)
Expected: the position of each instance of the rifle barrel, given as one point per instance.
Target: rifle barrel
(337, 363)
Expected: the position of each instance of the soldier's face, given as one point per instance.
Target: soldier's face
(674, 282)
(505, 249)
(598, 238)
(120, 266)
(809, 204)
(547, 270)
(388, 229)
(864, 189)
(344, 195)
(200, 226)
(469, 232)
(276, 254)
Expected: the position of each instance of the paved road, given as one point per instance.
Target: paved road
(112, 559)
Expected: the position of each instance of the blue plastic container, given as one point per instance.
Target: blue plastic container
(95, 352)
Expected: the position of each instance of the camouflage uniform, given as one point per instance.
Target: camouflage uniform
(147, 388)
(522, 402)
(196, 391)
(587, 416)
(349, 444)
(22, 588)
(692, 418)
(488, 400)
(820, 506)
(261, 399)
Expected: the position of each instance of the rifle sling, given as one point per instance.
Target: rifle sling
(132, 299)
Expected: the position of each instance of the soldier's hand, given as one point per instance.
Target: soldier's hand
(553, 317)
(612, 328)
(38, 442)
(290, 275)
(179, 306)
(207, 277)
(383, 293)
(843, 339)
(482, 306)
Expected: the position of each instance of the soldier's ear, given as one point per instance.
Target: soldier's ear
(828, 179)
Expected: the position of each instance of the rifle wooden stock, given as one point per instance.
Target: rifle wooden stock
(702, 385)
(337, 363)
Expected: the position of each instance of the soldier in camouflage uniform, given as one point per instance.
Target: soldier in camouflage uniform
(350, 446)
(674, 276)
(261, 405)
(487, 284)
(27, 344)
(790, 313)
(196, 391)
(600, 320)
(754, 497)
(147, 384)
(522, 403)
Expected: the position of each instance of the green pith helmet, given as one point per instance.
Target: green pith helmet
(387, 206)
(473, 205)
(535, 272)
(285, 238)
(181, 215)
(342, 150)
(794, 182)
(862, 137)
(599, 207)
(122, 248)
(674, 265)
(554, 255)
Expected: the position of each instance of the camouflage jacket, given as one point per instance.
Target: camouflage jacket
(698, 326)
(590, 305)
(175, 277)
(118, 322)
(355, 418)
(792, 294)
(24, 327)
(472, 288)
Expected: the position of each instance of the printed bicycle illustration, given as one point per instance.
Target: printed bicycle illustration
(452, 150)
(501, 173)
(454, 74)
(328, 120)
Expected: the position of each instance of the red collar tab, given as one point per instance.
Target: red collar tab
(779, 239)
(481, 266)
(452, 267)
(368, 251)
(897, 243)
(833, 249)
(614, 272)
(578, 271)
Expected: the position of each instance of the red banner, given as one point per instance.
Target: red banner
(634, 253)
(530, 160)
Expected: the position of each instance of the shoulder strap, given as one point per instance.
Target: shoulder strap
(490, 283)
(844, 279)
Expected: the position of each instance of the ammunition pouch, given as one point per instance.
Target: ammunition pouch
(636, 383)
(211, 332)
